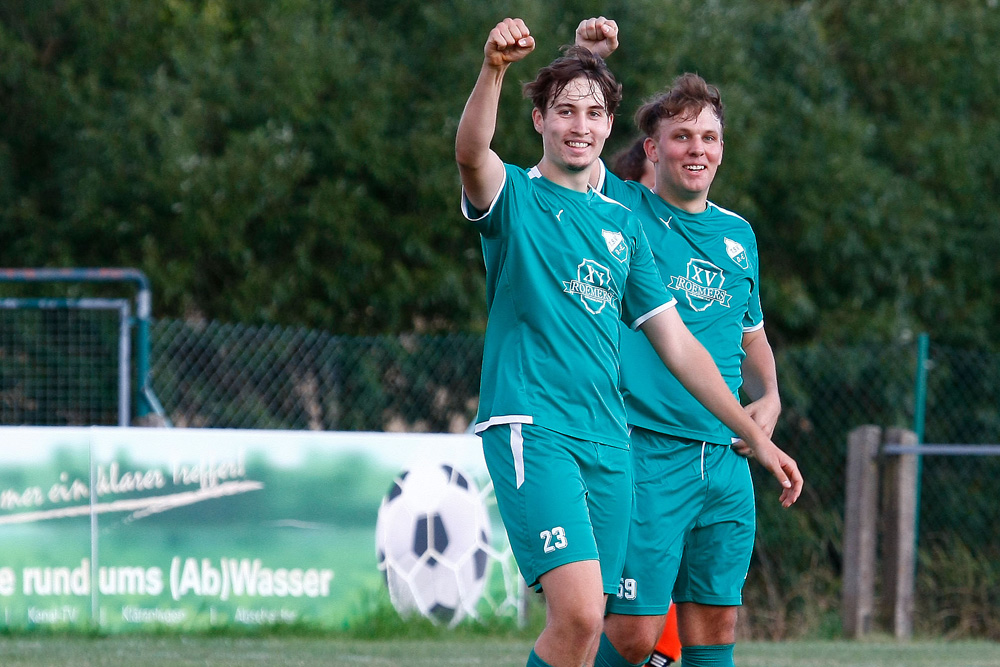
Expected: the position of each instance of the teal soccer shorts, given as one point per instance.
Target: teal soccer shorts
(692, 528)
(561, 499)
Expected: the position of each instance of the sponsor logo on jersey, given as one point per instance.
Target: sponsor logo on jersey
(616, 244)
(593, 285)
(702, 285)
(737, 253)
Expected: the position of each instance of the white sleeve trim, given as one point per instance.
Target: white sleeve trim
(600, 179)
(653, 313)
(504, 419)
(756, 327)
(467, 205)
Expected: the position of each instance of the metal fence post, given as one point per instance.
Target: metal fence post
(860, 529)
(919, 419)
(899, 510)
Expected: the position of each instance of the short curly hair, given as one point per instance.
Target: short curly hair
(686, 97)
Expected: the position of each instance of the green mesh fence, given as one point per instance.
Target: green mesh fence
(234, 376)
(794, 583)
(958, 568)
(237, 376)
(793, 587)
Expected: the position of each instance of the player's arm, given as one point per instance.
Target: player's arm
(480, 168)
(691, 363)
(760, 380)
(600, 36)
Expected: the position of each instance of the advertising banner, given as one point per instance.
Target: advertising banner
(132, 528)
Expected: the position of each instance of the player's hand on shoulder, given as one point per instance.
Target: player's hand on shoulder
(599, 34)
(508, 42)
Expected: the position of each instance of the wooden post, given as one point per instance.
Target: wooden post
(860, 526)
(899, 512)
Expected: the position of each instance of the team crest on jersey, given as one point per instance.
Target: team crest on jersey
(593, 285)
(702, 285)
(737, 253)
(616, 244)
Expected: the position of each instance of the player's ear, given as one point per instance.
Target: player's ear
(537, 119)
(649, 146)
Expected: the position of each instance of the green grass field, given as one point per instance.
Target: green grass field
(148, 651)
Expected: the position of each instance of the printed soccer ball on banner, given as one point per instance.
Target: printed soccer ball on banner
(432, 539)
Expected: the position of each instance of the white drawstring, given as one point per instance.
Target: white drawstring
(703, 460)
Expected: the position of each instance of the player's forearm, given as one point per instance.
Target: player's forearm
(479, 120)
(700, 376)
(480, 169)
(694, 367)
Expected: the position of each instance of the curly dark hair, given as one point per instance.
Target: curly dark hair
(686, 97)
(629, 164)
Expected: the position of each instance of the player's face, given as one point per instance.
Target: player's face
(687, 153)
(575, 127)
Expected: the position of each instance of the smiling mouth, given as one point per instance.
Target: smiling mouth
(695, 167)
(577, 144)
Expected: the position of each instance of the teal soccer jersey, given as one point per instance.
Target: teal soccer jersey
(563, 269)
(708, 261)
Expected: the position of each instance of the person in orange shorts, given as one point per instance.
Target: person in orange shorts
(668, 647)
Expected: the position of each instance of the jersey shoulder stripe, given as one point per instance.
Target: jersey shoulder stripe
(727, 212)
(608, 199)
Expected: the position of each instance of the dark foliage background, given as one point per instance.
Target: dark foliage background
(291, 162)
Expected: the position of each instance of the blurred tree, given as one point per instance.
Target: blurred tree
(291, 162)
(926, 76)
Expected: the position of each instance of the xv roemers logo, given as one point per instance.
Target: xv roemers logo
(702, 284)
(593, 284)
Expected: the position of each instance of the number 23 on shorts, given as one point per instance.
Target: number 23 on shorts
(553, 539)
